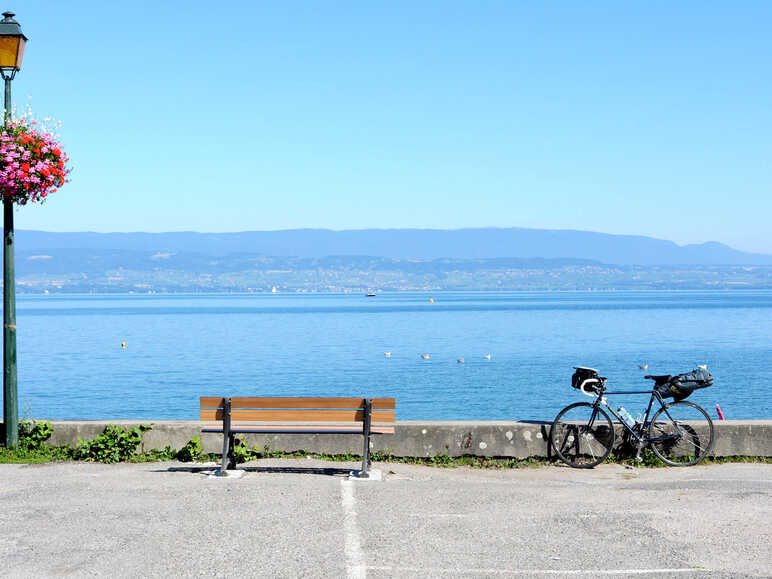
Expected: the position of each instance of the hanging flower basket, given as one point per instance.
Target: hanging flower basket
(32, 163)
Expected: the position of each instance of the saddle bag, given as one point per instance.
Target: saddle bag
(681, 386)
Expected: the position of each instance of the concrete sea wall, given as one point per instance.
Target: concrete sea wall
(413, 438)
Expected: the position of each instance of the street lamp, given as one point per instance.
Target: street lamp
(12, 43)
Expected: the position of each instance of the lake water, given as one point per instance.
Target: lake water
(180, 347)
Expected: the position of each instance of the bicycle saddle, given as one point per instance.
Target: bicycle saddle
(659, 378)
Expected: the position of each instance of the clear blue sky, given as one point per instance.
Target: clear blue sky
(650, 118)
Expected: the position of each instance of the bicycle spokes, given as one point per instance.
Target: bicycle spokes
(582, 435)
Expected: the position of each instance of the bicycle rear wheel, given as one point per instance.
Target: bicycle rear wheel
(687, 441)
(582, 436)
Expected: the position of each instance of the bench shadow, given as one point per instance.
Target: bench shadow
(319, 471)
(324, 471)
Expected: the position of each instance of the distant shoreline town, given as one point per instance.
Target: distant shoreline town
(378, 275)
(325, 261)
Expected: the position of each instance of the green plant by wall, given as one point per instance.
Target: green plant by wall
(155, 455)
(192, 451)
(115, 444)
(32, 435)
(243, 453)
(31, 447)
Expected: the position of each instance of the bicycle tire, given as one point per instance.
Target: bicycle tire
(695, 440)
(578, 443)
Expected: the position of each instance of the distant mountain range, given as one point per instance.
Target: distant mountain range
(421, 244)
(98, 261)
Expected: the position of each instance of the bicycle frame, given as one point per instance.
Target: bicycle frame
(600, 399)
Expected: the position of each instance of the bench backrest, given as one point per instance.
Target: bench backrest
(298, 409)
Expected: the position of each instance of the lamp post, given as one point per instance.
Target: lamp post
(12, 43)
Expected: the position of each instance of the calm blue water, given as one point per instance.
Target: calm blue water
(179, 347)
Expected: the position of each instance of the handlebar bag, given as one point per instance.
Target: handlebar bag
(581, 375)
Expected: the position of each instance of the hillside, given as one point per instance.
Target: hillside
(487, 243)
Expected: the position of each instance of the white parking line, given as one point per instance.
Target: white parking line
(355, 557)
(439, 515)
(721, 480)
(592, 572)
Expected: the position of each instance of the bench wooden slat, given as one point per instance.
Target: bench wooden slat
(297, 402)
(289, 429)
(298, 415)
(310, 402)
(212, 401)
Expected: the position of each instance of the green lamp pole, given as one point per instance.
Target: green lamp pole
(11, 52)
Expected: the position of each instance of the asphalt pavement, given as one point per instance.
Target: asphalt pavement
(305, 518)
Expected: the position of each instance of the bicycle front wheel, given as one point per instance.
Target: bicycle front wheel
(686, 439)
(582, 435)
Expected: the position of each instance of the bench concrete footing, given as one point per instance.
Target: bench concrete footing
(232, 473)
(372, 474)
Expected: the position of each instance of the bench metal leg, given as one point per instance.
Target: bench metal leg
(366, 434)
(228, 460)
(225, 452)
(232, 452)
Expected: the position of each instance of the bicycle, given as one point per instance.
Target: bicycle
(679, 433)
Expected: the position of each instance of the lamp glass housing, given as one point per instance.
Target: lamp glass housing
(11, 52)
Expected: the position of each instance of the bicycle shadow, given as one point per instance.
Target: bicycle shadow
(544, 435)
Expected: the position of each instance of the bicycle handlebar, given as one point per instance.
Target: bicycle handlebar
(589, 381)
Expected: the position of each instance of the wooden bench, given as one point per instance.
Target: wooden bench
(295, 415)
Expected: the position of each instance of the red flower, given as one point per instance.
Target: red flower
(41, 173)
